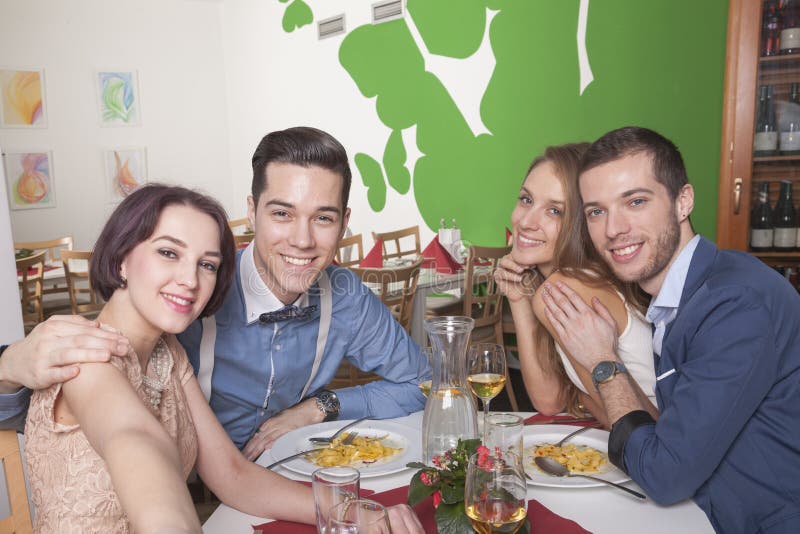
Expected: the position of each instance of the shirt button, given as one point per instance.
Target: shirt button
(277, 347)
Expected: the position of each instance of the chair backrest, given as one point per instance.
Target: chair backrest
(19, 522)
(52, 246)
(242, 240)
(240, 225)
(392, 246)
(30, 273)
(76, 271)
(483, 300)
(396, 288)
(345, 249)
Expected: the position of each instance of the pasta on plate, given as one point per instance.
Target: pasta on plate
(362, 450)
(576, 458)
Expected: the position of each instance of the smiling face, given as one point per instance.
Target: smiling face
(634, 224)
(171, 275)
(537, 218)
(298, 222)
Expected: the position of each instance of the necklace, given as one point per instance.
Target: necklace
(161, 364)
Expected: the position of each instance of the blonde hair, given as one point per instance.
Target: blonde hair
(575, 256)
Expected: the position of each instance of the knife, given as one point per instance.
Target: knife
(560, 421)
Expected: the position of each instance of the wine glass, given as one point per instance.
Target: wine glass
(360, 516)
(486, 373)
(495, 493)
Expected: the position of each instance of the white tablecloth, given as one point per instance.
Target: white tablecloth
(599, 510)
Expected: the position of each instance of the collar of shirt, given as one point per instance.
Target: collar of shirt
(664, 306)
(258, 298)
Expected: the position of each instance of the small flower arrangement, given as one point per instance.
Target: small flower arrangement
(444, 482)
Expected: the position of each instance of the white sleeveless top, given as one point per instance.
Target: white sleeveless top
(634, 348)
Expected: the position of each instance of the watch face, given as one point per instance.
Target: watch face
(603, 371)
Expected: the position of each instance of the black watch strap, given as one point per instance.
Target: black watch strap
(621, 431)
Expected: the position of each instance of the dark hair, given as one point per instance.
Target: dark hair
(135, 220)
(304, 146)
(667, 162)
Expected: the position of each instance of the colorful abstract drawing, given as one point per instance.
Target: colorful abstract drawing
(22, 98)
(29, 176)
(126, 169)
(119, 98)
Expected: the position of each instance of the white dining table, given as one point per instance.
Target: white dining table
(597, 509)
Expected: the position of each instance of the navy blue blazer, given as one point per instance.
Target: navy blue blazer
(728, 393)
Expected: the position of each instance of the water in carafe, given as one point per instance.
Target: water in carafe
(450, 411)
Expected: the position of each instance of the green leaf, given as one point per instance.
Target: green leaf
(453, 493)
(417, 491)
(451, 519)
(416, 465)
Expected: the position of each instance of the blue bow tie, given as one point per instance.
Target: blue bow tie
(286, 313)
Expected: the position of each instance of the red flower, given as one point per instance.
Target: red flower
(437, 498)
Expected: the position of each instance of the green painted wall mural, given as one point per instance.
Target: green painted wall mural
(655, 63)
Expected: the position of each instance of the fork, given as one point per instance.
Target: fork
(318, 439)
(346, 441)
(350, 437)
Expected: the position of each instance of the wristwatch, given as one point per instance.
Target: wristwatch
(605, 371)
(328, 403)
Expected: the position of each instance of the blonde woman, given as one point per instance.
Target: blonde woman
(550, 241)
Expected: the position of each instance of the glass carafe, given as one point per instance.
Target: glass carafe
(450, 412)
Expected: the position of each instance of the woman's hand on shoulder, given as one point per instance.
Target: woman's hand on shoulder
(515, 281)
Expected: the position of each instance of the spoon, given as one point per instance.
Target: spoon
(551, 467)
(565, 438)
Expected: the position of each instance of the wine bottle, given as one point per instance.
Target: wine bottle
(771, 29)
(790, 34)
(765, 142)
(785, 237)
(761, 231)
(790, 136)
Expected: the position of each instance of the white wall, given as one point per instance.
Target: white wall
(176, 47)
(276, 80)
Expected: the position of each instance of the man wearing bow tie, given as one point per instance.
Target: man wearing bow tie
(290, 317)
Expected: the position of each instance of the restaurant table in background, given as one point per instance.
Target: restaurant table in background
(598, 509)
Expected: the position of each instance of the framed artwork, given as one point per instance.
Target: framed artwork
(126, 169)
(118, 93)
(29, 176)
(22, 102)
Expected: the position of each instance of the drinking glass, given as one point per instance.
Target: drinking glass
(504, 434)
(425, 369)
(333, 486)
(495, 493)
(361, 516)
(486, 373)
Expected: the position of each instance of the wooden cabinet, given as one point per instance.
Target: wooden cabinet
(739, 170)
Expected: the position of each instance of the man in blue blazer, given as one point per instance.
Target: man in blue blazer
(726, 343)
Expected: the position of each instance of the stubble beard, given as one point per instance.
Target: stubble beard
(665, 246)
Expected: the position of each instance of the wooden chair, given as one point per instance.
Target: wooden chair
(30, 276)
(240, 225)
(483, 300)
(396, 288)
(19, 522)
(345, 249)
(82, 298)
(407, 235)
(242, 240)
(53, 247)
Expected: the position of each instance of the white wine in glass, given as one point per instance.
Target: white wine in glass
(486, 373)
(495, 493)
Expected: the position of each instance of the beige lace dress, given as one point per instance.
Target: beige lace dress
(70, 485)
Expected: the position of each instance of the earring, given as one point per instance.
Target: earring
(124, 283)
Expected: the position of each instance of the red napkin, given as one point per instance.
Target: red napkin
(436, 257)
(559, 420)
(281, 527)
(374, 258)
(541, 518)
(33, 270)
(508, 236)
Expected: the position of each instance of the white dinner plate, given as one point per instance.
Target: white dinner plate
(540, 434)
(397, 436)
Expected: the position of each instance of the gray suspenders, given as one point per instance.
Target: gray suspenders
(209, 338)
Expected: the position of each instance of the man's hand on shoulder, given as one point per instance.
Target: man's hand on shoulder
(51, 352)
(302, 414)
